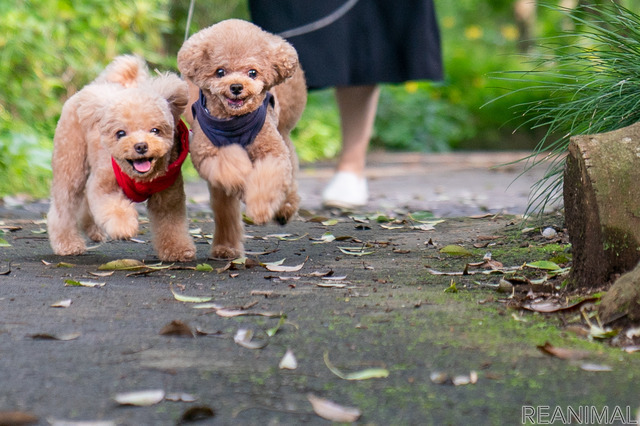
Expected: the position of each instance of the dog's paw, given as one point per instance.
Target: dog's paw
(69, 247)
(225, 252)
(121, 227)
(287, 210)
(95, 233)
(260, 213)
(177, 253)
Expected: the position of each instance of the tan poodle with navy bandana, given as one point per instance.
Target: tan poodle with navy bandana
(248, 92)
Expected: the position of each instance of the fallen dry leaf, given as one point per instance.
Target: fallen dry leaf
(463, 380)
(177, 328)
(595, 367)
(244, 338)
(61, 337)
(230, 313)
(102, 274)
(563, 353)
(550, 306)
(75, 283)
(282, 268)
(121, 265)
(143, 398)
(354, 251)
(189, 299)
(195, 414)
(62, 304)
(333, 412)
(439, 377)
(288, 361)
(17, 418)
(180, 397)
(58, 422)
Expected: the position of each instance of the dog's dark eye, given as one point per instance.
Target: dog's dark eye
(155, 130)
(220, 72)
(120, 134)
(253, 74)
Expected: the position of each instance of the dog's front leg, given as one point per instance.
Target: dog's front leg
(111, 210)
(229, 229)
(168, 216)
(226, 167)
(267, 186)
(62, 223)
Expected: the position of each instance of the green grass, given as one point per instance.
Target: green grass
(591, 74)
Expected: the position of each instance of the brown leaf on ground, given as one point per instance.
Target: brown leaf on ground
(176, 328)
(549, 306)
(195, 414)
(563, 353)
(16, 418)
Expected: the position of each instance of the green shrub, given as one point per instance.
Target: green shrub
(48, 50)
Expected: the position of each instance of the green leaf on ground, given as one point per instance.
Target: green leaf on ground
(369, 373)
(272, 331)
(4, 243)
(543, 264)
(327, 237)
(452, 287)
(204, 267)
(455, 250)
(421, 216)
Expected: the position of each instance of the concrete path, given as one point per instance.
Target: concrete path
(446, 349)
(449, 185)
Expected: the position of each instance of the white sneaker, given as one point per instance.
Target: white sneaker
(346, 190)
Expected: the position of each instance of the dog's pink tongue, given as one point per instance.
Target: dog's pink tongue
(142, 166)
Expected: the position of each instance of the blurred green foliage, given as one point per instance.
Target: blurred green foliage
(49, 49)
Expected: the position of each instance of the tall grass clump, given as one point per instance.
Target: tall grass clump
(591, 74)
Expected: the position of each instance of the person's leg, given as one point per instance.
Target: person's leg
(357, 106)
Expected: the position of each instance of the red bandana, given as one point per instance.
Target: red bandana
(141, 191)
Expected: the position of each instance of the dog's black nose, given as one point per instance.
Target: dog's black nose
(141, 148)
(236, 89)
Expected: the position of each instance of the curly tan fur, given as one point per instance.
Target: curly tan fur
(263, 175)
(85, 195)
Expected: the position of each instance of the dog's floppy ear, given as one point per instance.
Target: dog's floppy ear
(193, 58)
(174, 90)
(285, 59)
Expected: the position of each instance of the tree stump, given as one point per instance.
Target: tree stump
(602, 204)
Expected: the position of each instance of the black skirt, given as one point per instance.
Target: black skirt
(377, 41)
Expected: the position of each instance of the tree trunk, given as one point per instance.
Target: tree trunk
(602, 204)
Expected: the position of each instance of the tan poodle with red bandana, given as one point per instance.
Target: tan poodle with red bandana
(120, 140)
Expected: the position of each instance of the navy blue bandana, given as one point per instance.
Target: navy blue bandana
(242, 129)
